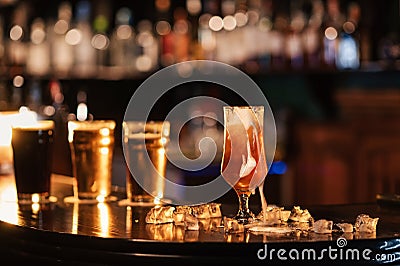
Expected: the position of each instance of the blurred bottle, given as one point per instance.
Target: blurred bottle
(206, 37)
(34, 98)
(123, 47)
(294, 44)
(348, 51)
(181, 31)
(312, 35)
(147, 59)
(16, 93)
(100, 40)
(4, 101)
(18, 35)
(2, 43)
(265, 27)
(38, 57)
(62, 53)
(81, 37)
(332, 26)
(166, 40)
(277, 42)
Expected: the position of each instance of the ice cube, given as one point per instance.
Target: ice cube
(215, 224)
(191, 222)
(183, 209)
(179, 218)
(201, 211)
(160, 215)
(299, 215)
(151, 216)
(285, 214)
(179, 214)
(300, 226)
(272, 216)
(215, 210)
(204, 224)
(232, 226)
(345, 227)
(323, 226)
(365, 224)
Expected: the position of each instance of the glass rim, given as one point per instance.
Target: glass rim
(253, 107)
(150, 122)
(36, 125)
(91, 124)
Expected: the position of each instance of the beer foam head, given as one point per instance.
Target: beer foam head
(157, 128)
(26, 119)
(103, 126)
(34, 125)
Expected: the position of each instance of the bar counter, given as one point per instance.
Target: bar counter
(109, 234)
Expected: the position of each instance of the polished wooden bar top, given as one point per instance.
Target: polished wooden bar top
(107, 233)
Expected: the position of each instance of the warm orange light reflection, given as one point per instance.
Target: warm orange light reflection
(75, 217)
(104, 219)
(9, 212)
(8, 191)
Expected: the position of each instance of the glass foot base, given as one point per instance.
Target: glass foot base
(244, 217)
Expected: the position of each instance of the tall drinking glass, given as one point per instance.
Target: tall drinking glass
(92, 145)
(32, 148)
(243, 163)
(145, 149)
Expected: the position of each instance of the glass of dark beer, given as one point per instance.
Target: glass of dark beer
(32, 154)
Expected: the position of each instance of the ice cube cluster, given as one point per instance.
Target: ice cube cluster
(299, 215)
(274, 215)
(188, 216)
(160, 215)
(364, 224)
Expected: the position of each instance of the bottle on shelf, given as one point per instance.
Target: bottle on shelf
(2, 44)
(81, 37)
(34, 98)
(348, 50)
(62, 53)
(181, 31)
(4, 101)
(294, 44)
(147, 59)
(312, 35)
(16, 44)
(16, 94)
(122, 45)
(166, 42)
(38, 56)
(100, 40)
